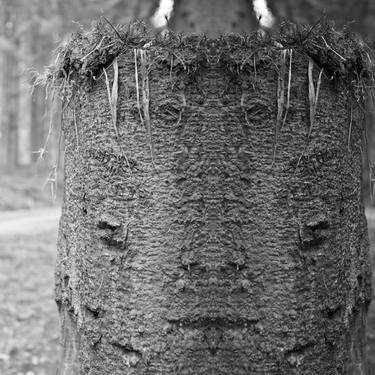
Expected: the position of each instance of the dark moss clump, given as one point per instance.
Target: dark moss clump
(343, 56)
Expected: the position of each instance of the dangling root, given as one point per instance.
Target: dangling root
(112, 99)
(282, 107)
(146, 101)
(52, 181)
(137, 84)
(313, 102)
(280, 101)
(313, 95)
(289, 84)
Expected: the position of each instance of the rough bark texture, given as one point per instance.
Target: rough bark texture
(203, 234)
(213, 17)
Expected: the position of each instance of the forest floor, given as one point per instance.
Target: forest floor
(29, 333)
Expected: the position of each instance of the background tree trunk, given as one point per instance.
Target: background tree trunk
(359, 14)
(213, 17)
(125, 11)
(10, 114)
(10, 91)
(25, 102)
(3, 134)
(201, 232)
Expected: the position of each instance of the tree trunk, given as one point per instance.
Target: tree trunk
(9, 92)
(213, 17)
(38, 114)
(213, 220)
(10, 114)
(24, 102)
(3, 134)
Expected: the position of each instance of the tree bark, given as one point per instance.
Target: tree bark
(213, 17)
(201, 232)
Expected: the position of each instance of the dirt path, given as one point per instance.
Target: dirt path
(29, 222)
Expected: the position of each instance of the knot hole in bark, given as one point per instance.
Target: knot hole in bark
(314, 232)
(113, 233)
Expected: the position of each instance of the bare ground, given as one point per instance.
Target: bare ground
(29, 333)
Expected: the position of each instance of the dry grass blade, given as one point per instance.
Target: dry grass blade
(96, 48)
(146, 100)
(137, 84)
(112, 27)
(289, 84)
(112, 99)
(318, 91)
(114, 94)
(331, 49)
(313, 95)
(280, 100)
(313, 103)
(108, 91)
(52, 181)
(175, 54)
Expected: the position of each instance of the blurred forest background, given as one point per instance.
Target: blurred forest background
(30, 30)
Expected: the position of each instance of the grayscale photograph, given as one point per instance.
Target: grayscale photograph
(187, 187)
